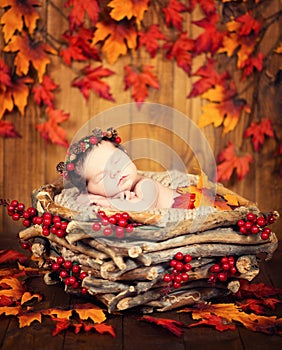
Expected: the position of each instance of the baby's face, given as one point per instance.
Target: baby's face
(109, 171)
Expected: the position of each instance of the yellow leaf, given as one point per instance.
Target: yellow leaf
(60, 313)
(10, 310)
(231, 199)
(86, 311)
(16, 289)
(26, 319)
(27, 296)
(215, 94)
(211, 115)
(129, 9)
(6, 103)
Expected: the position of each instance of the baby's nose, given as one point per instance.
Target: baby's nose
(114, 173)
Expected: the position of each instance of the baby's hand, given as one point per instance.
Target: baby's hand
(127, 195)
(100, 200)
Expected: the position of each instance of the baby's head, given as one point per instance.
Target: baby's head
(99, 164)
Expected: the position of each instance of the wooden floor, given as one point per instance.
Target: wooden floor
(133, 334)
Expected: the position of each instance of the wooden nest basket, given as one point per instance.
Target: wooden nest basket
(129, 272)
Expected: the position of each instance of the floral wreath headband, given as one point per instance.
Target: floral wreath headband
(76, 149)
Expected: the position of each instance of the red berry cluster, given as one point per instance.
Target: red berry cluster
(70, 273)
(222, 270)
(254, 224)
(180, 267)
(118, 224)
(50, 223)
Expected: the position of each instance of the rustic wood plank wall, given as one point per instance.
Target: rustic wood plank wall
(28, 163)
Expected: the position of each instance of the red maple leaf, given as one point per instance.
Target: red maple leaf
(173, 326)
(7, 129)
(220, 323)
(211, 39)
(5, 76)
(91, 80)
(172, 13)
(43, 93)
(140, 82)
(181, 50)
(249, 25)
(51, 131)
(257, 290)
(11, 255)
(79, 8)
(209, 78)
(208, 6)
(230, 162)
(79, 47)
(250, 63)
(150, 39)
(258, 131)
(19, 13)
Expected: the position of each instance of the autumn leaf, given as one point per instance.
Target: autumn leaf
(129, 9)
(257, 290)
(27, 317)
(17, 15)
(29, 52)
(101, 329)
(91, 80)
(5, 76)
(185, 200)
(27, 297)
(173, 14)
(150, 39)
(79, 47)
(209, 78)
(60, 313)
(11, 255)
(91, 311)
(117, 37)
(250, 63)
(259, 306)
(43, 93)
(208, 6)
(218, 322)
(231, 312)
(229, 162)
(181, 50)
(140, 82)
(6, 301)
(11, 287)
(51, 131)
(211, 39)
(258, 131)
(225, 108)
(173, 326)
(79, 8)
(10, 310)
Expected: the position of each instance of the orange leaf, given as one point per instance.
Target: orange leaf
(129, 9)
(43, 93)
(117, 38)
(19, 13)
(51, 131)
(27, 296)
(61, 314)
(102, 328)
(11, 287)
(232, 312)
(25, 319)
(10, 310)
(88, 310)
(229, 162)
(6, 104)
(29, 52)
(140, 82)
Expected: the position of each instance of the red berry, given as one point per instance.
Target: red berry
(10, 208)
(122, 222)
(26, 215)
(84, 290)
(215, 268)
(32, 211)
(14, 203)
(119, 232)
(222, 276)
(212, 279)
(255, 229)
(118, 139)
(16, 216)
(112, 220)
(241, 223)
(233, 270)
(176, 285)
(93, 140)
(187, 267)
(105, 221)
(72, 280)
(167, 278)
(264, 235)
(83, 275)
(251, 217)
(178, 278)
(248, 225)
(60, 233)
(117, 216)
(173, 263)
(64, 225)
(64, 274)
(187, 258)
(129, 228)
(102, 214)
(261, 221)
(46, 221)
(225, 266)
(70, 167)
(26, 223)
(224, 260)
(243, 230)
(231, 260)
(47, 215)
(53, 230)
(55, 266)
(125, 216)
(267, 229)
(60, 260)
(179, 266)
(25, 245)
(45, 232)
(107, 231)
(76, 285)
(179, 256)
(21, 207)
(96, 226)
(67, 264)
(185, 277)
(67, 281)
(56, 218)
(271, 219)
(76, 269)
